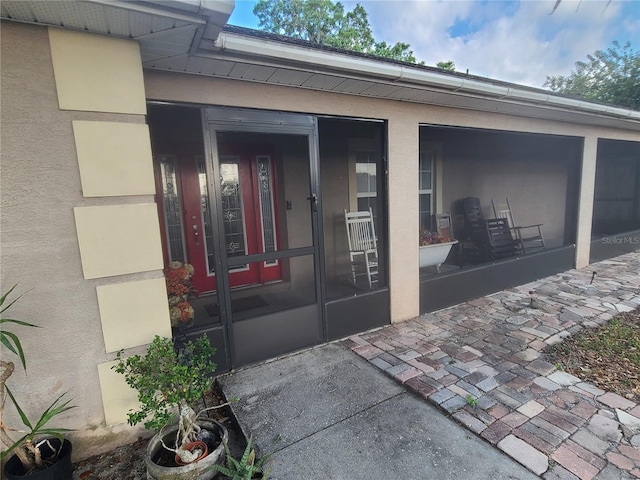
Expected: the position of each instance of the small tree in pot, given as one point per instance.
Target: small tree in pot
(169, 383)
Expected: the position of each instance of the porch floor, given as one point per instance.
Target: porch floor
(489, 350)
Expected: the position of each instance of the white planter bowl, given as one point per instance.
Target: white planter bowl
(434, 255)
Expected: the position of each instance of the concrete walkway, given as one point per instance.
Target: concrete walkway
(487, 352)
(326, 414)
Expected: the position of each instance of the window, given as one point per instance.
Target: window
(366, 181)
(425, 187)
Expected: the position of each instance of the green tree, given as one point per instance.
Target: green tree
(448, 65)
(327, 23)
(611, 76)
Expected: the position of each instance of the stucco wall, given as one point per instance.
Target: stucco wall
(40, 187)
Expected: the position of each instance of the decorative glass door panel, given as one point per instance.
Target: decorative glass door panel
(187, 234)
(232, 209)
(171, 208)
(268, 214)
(247, 183)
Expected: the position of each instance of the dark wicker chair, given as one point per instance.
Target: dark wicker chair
(491, 238)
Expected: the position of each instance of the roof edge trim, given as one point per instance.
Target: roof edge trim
(248, 46)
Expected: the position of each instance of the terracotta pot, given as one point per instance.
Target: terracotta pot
(191, 447)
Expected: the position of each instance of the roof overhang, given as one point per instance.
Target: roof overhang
(163, 28)
(187, 36)
(256, 58)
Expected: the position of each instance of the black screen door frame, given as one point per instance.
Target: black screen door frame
(220, 119)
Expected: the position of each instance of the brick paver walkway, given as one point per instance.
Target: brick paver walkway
(481, 362)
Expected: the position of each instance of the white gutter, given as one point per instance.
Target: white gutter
(260, 47)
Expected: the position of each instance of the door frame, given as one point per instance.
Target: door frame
(221, 119)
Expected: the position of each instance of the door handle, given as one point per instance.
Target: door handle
(196, 234)
(314, 202)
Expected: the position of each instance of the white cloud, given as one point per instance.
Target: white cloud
(512, 41)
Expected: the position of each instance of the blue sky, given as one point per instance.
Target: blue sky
(516, 41)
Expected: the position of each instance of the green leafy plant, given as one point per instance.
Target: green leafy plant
(28, 447)
(28, 441)
(10, 339)
(471, 400)
(168, 383)
(247, 467)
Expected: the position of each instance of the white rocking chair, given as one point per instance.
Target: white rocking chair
(361, 236)
(531, 240)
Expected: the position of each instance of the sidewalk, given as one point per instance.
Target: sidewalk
(324, 414)
(480, 362)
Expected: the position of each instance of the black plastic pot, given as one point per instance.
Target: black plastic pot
(62, 469)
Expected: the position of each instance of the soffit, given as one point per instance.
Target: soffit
(276, 75)
(161, 31)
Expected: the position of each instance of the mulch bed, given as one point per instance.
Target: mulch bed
(607, 356)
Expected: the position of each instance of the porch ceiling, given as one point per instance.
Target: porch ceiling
(186, 36)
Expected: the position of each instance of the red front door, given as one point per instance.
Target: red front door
(248, 209)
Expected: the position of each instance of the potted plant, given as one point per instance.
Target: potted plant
(247, 468)
(40, 453)
(434, 249)
(169, 383)
(178, 276)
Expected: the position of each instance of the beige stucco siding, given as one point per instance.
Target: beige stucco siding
(40, 184)
(39, 188)
(403, 216)
(585, 205)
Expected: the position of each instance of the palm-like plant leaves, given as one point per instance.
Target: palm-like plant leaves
(246, 468)
(56, 408)
(9, 339)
